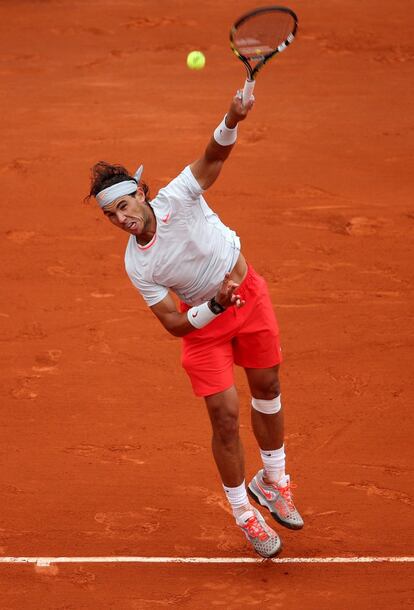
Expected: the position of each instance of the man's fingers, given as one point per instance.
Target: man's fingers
(233, 297)
(227, 292)
(232, 286)
(228, 286)
(237, 300)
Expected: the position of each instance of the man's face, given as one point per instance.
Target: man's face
(130, 213)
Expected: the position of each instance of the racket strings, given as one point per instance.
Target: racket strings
(263, 34)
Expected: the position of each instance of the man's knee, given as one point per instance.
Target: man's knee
(269, 389)
(264, 383)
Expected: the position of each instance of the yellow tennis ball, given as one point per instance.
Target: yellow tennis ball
(196, 60)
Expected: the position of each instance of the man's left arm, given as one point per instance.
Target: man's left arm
(207, 169)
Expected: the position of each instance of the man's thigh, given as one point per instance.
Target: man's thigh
(209, 367)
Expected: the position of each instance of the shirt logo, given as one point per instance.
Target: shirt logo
(194, 315)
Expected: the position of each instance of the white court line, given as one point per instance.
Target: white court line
(46, 561)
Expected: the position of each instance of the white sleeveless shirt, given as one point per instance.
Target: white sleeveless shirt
(191, 249)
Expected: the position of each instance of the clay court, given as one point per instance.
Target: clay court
(105, 451)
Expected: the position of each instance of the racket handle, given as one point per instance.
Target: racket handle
(248, 90)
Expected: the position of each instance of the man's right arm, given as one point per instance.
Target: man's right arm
(177, 323)
(174, 321)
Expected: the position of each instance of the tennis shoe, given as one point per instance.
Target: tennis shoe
(264, 540)
(278, 499)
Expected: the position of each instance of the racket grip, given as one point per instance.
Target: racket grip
(248, 90)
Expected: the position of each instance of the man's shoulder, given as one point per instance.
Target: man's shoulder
(184, 186)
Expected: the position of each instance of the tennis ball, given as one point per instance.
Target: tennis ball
(196, 60)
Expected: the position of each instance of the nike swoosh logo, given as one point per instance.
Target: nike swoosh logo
(194, 315)
(268, 494)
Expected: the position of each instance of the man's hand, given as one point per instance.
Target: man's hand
(227, 295)
(237, 111)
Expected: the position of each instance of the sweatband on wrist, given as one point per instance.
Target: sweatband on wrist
(200, 315)
(225, 136)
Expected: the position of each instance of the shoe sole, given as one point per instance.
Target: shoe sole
(274, 515)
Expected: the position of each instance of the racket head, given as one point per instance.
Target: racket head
(260, 34)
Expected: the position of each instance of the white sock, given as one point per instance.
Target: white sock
(237, 497)
(274, 464)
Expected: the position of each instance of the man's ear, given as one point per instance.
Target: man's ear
(139, 194)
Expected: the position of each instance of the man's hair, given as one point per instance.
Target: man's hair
(105, 174)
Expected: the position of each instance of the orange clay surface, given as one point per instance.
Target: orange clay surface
(104, 449)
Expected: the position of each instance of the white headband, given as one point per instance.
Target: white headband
(126, 187)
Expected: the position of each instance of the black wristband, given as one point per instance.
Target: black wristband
(215, 307)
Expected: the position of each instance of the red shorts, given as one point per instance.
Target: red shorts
(248, 337)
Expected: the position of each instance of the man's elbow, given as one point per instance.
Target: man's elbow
(175, 332)
(175, 323)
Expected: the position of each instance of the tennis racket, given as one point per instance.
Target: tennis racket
(258, 36)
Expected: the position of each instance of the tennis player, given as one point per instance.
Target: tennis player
(178, 244)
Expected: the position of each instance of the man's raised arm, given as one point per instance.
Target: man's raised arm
(206, 169)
